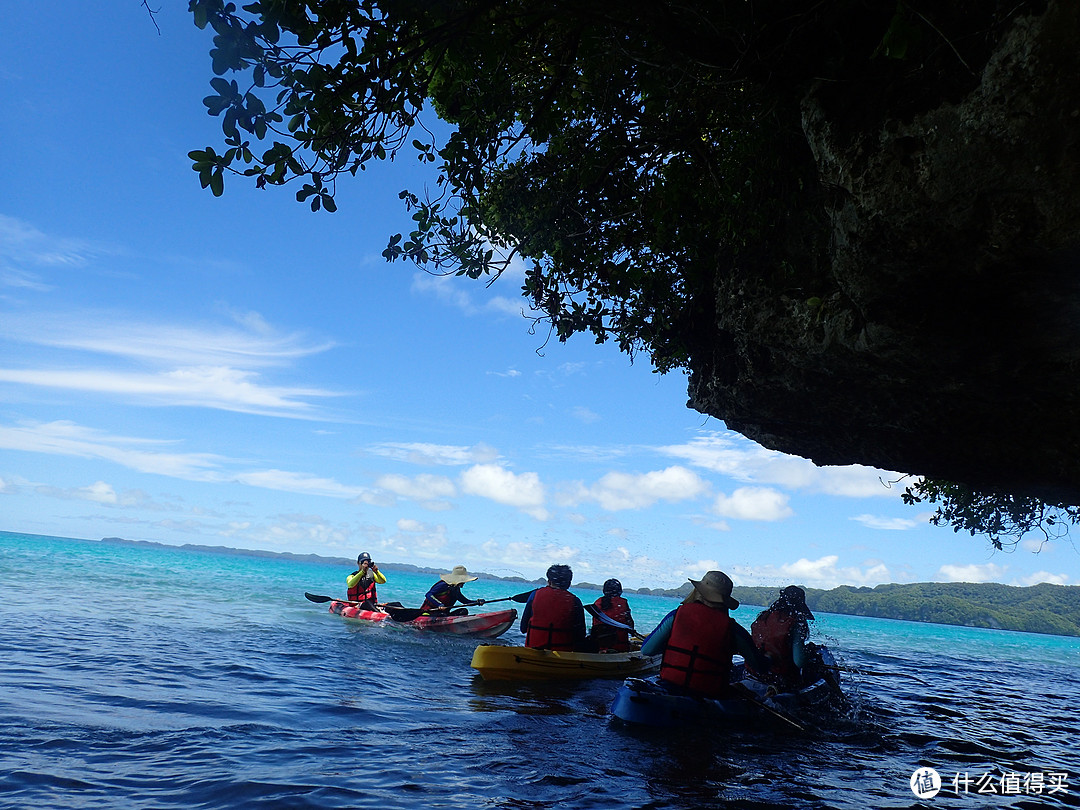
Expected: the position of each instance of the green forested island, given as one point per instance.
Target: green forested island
(1044, 608)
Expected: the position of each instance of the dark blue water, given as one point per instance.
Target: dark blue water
(161, 678)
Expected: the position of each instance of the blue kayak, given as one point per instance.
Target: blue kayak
(651, 702)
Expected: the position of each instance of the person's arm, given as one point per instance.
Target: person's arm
(655, 642)
(380, 578)
(580, 632)
(429, 598)
(744, 646)
(354, 578)
(526, 613)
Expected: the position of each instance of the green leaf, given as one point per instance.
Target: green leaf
(217, 183)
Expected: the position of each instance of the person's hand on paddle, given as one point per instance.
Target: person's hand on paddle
(480, 601)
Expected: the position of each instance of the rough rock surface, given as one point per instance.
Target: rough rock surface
(952, 310)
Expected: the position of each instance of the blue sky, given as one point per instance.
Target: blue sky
(241, 371)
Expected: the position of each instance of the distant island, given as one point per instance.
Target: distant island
(1045, 608)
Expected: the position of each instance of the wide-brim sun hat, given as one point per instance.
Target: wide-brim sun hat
(715, 588)
(459, 576)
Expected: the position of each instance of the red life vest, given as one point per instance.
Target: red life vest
(609, 637)
(552, 619)
(698, 652)
(772, 635)
(361, 592)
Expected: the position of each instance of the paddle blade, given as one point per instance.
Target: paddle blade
(521, 598)
(314, 597)
(605, 619)
(403, 614)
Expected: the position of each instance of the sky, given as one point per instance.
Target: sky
(241, 371)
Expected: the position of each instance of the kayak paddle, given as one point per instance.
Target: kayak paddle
(521, 598)
(314, 597)
(317, 599)
(749, 696)
(409, 614)
(605, 619)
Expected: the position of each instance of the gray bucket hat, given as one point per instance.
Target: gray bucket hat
(714, 588)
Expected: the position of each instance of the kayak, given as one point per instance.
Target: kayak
(502, 663)
(651, 702)
(481, 625)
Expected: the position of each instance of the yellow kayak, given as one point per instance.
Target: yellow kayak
(497, 662)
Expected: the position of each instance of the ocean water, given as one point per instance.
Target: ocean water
(144, 677)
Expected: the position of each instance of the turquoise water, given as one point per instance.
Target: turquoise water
(144, 677)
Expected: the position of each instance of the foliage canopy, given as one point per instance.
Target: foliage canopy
(625, 152)
(631, 154)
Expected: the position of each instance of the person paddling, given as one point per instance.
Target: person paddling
(614, 606)
(698, 639)
(781, 632)
(444, 594)
(553, 618)
(361, 582)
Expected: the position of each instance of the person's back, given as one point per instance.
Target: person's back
(698, 654)
(698, 639)
(553, 618)
(614, 606)
(780, 633)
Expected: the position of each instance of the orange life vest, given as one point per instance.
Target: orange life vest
(363, 590)
(698, 652)
(551, 621)
(772, 634)
(608, 637)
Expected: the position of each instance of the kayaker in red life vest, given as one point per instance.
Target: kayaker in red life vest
(780, 632)
(445, 593)
(698, 638)
(361, 583)
(612, 605)
(553, 618)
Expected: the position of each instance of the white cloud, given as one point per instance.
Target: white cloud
(251, 344)
(68, 439)
(290, 532)
(188, 366)
(300, 483)
(23, 244)
(753, 503)
(988, 572)
(887, 523)
(435, 454)
(22, 279)
(1045, 576)
(524, 490)
(617, 491)
(416, 539)
(820, 573)
(458, 292)
(420, 487)
(220, 388)
(743, 460)
(585, 415)
(535, 557)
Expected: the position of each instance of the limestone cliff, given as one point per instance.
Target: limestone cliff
(945, 338)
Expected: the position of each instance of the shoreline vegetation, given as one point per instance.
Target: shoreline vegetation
(1044, 608)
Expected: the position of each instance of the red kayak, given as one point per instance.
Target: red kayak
(481, 625)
